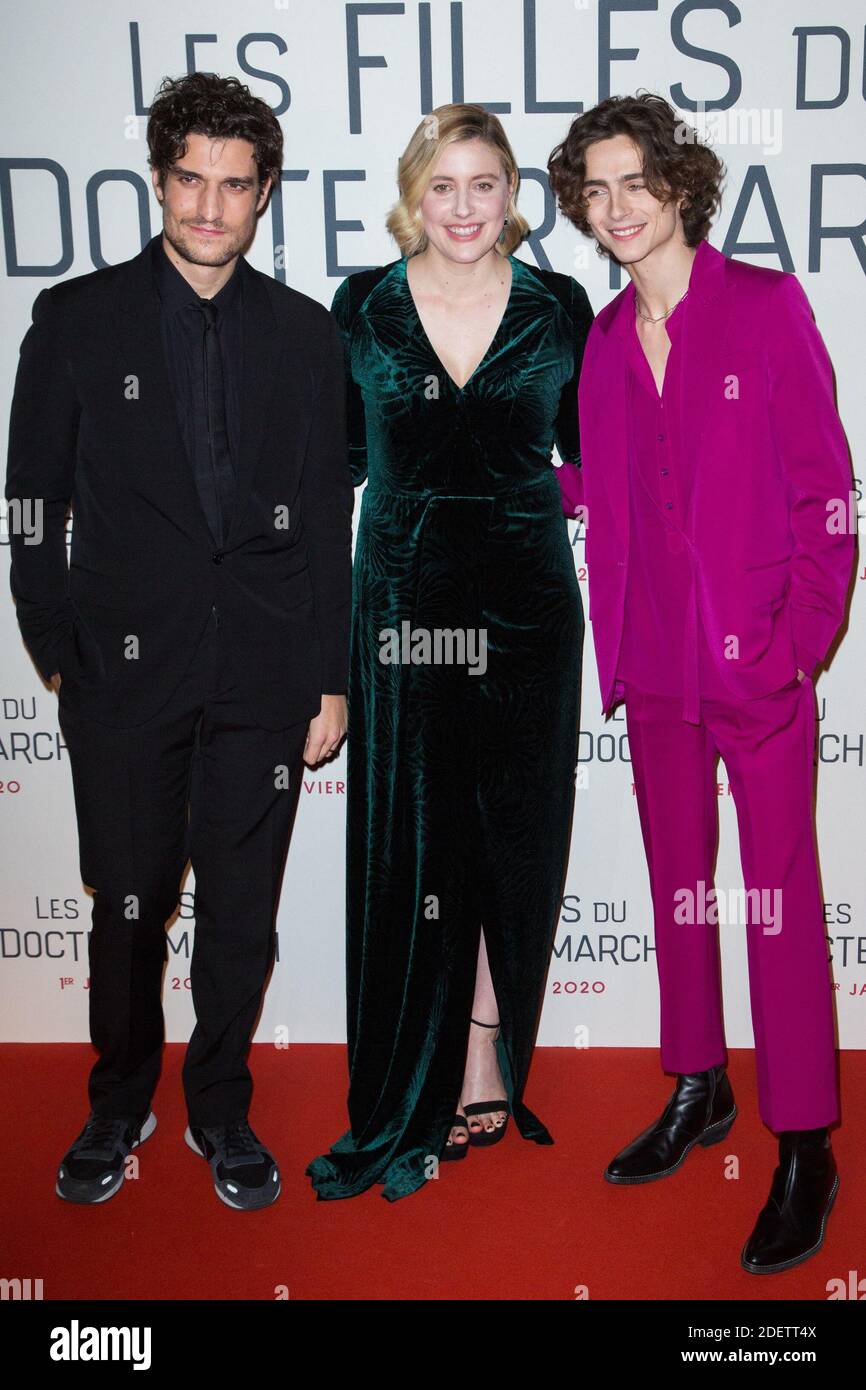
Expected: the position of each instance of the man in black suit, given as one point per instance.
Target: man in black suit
(192, 411)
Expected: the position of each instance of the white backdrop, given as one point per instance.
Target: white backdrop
(349, 90)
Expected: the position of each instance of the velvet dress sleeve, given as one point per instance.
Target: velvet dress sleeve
(566, 426)
(356, 425)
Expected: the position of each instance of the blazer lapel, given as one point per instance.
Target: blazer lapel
(138, 329)
(262, 350)
(705, 361)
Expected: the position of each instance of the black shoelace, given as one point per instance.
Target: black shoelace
(101, 1137)
(241, 1145)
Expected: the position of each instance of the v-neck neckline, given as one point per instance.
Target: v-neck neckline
(404, 261)
(639, 348)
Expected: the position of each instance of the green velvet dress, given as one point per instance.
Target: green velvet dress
(460, 776)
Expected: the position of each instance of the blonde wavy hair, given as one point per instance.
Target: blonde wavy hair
(444, 125)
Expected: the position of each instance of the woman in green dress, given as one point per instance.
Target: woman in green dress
(467, 632)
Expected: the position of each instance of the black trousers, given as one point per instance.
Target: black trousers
(198, 781)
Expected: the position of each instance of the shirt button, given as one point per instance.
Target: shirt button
(664, 472)
(661, 436)
(217, 557)
(669, 505)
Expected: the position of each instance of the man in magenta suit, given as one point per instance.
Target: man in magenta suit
(717, 487)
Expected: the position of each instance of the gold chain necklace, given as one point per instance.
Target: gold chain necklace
(667, 313)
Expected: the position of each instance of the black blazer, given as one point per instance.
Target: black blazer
(94, 424)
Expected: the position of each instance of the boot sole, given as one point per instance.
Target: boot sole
(714, 1134)
(798, 1259)
(146, 1131)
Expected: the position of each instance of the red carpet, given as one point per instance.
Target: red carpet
(516, 1222)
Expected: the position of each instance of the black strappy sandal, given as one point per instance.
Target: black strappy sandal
(483, 1138)
(455, 1150)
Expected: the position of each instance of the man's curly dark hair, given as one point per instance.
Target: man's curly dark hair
(201, 103)
(675, 163)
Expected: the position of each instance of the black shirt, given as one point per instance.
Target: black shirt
(181, 334)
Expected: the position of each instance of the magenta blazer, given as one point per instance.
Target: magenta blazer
(769, 521)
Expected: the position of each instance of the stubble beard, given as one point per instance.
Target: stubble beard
(231, 246)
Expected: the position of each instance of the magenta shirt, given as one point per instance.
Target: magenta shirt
(663, 649)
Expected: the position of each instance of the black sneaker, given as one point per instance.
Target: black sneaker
(93, 1169)
(244, 1174)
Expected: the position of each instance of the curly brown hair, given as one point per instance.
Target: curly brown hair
(201, 103)
(675, 163)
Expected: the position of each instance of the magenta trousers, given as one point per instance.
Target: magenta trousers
(767, 747)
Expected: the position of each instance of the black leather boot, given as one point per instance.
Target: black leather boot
(700, 1111)
(791, 1225)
